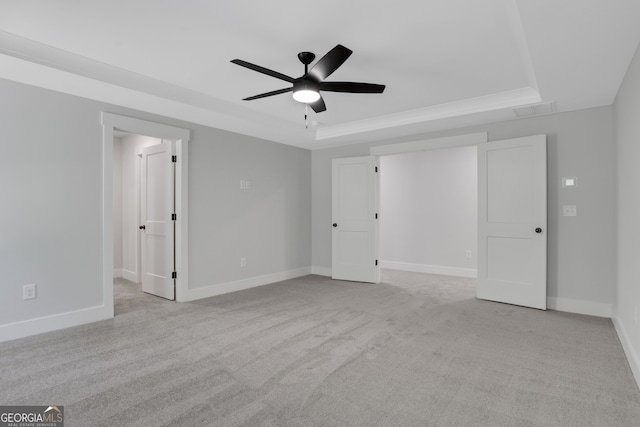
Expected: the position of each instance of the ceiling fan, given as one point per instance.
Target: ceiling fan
(306, 89)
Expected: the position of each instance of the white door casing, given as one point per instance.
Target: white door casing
(355, 224)
(181, 137)
(512, 221)
(157, 204)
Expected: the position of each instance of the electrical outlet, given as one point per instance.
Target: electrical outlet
(29, 292)
(243, 262)
(569, 210)
(467, 254)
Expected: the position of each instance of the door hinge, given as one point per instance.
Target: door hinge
(174, 217)
(376, 262)
(174, 275)
(174, 159)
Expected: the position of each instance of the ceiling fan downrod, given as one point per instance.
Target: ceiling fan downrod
(306, 58)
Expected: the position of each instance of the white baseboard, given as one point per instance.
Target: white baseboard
(117, 272)
(239, 285)
(132, 276)
(54, 322)
(630, 352)
(321, 271)
(579, 306)
(431, 269)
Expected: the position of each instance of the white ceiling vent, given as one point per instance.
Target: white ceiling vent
(534, 110)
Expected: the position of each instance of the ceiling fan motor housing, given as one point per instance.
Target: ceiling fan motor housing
(306, 83)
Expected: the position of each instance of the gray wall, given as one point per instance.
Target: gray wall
(51, 183)
(428, 210)
(268, 224)
(627, 130)
(581, 250)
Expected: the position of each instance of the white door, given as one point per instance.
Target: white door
(512, 221)
(157, 228)
(355, 225)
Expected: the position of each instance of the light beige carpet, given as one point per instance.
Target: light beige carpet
(415, 350)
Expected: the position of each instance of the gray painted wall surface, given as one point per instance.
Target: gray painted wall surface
(268, 224)
(51, 177)
(581, 250)
(627, 130)
(428, 207)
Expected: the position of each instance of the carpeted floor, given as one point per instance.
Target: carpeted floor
(415, 350)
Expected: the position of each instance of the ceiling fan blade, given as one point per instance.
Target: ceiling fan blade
(318, 106)
(351, 87)
(263, 70)
(330, 62)
(264, 95)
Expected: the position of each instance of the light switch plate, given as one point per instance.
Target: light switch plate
(29, 292)
(569, 210)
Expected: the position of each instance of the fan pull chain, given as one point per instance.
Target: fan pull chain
(306, 111)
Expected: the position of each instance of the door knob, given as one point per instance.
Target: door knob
(335, 224)
(538, 230)
(142, 227)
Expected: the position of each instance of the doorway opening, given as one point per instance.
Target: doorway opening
(131, 202)
(511, 212)
(428, 211)
(177, 138)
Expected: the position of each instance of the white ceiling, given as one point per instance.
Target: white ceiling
(446, 63)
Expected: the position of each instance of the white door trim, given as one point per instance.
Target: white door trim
(430, 144)
(157, 130)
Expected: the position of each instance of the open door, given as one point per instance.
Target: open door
(157, 205)
(355, 224)
(512, 221)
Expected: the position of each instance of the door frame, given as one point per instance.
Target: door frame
(111, 122)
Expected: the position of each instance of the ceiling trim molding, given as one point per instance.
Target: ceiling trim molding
(509, 99)
(51, 57)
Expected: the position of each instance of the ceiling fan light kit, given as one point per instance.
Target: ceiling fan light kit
(306, 89)
(306, 96)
